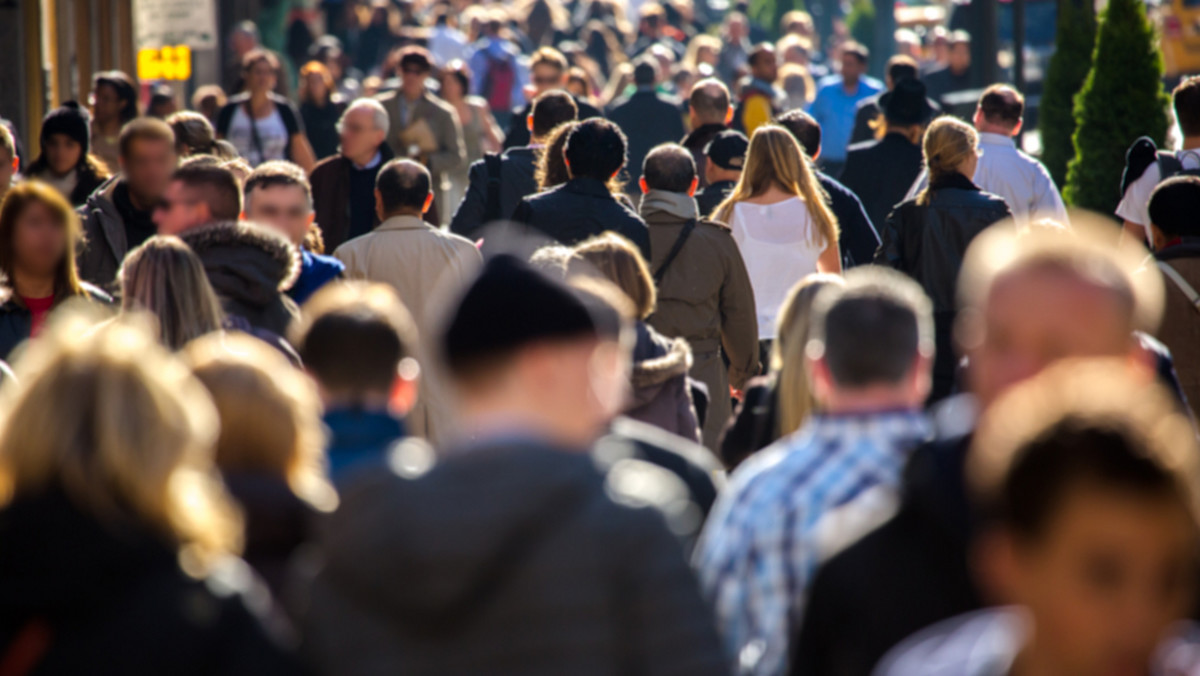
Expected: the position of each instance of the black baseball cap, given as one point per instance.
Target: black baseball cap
(728, 150)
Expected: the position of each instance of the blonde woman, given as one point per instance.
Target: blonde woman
(165, 279)
(118, 538)
(271, 446)
(781, 221)
(776, 405)
(661, 393)
(926, 237)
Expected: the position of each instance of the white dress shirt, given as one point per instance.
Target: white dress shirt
(1021, 181)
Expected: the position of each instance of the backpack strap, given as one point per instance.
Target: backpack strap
(675, 249)
(1187, 289)
(491, 211)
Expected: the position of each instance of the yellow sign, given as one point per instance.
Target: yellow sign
(165, 63)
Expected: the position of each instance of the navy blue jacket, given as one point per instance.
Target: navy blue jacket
(315, 271)
(579, 209)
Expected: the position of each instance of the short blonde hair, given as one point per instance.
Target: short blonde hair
(269, 412)
(118, 424)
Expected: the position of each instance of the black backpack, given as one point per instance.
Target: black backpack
(1144, 152)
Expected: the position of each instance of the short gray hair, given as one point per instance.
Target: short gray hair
(871, 331)
(379, 116)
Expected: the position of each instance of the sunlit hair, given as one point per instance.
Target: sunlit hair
(165, 279)
(775, 158)
(948, 143)
(788, 360)
(616, 259)
(269, 411)
(552, 166)
(194, 134)
(119, 425)
(16, 201)
(319, 69)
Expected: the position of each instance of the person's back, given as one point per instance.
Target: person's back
(881, 191)
(583, 207)
(647, 119)
(497, 184)
(1172, 209)
(790, 506)
(538, 569)
(423, 264)
(774, 237)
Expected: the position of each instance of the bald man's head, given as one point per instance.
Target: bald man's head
(403, 187)
(709, 101)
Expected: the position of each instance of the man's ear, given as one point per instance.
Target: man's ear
(312, 216)
(379, 204)
(729, 116)
(1017, 129)
(692, 188)
(642, 183)
(403, 395)
(529, 122)
(820, 379)
(816, 154)
(428, 202)
(242, 216)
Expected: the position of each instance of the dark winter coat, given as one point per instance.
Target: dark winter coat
(909, 573)
(527, 566)
(928, 242)
(112, 599)
(710, 196)
(648, 119)
(249, 267)
(16, 322)
(881, 172)
(579, 209)
(661, 396)
(857, 237)
(105, 242)
(517, 169)
(320, 126)
(331, 196)
(755, 423)
(277, 523)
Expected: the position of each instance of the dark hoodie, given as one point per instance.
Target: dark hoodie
(78, 597)
(250, 268)
(506, 559)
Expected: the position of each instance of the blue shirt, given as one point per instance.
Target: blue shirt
(834, 110)
(360, 438)
(315, 271)
(786, 510)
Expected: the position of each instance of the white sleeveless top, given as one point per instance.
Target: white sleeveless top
(776, 243)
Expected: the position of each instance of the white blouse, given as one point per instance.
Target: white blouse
(776, 241)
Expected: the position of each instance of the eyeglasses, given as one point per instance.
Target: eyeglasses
(547, 81)
(413, 71)
(354, 129)
(271, 212)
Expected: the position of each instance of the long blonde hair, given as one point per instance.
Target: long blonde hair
(775, 159)
(163, 277)
(270, 413)
(118, 424)
(788, 359)
(948, 143)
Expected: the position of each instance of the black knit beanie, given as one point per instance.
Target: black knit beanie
(72, 120)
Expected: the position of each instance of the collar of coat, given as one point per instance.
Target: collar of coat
(953, 180)
(278, 254)
(404, 222)
(677, 204)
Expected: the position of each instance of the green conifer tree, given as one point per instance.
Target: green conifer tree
(1069, 66)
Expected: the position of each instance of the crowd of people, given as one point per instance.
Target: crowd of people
(530, 339)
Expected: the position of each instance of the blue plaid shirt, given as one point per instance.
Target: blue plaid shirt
(762, 543)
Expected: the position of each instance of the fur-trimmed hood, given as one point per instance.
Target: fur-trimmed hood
(245, 261)
(657, 360)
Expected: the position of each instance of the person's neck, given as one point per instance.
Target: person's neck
(1191, 142)
(867, 400)
(723, 175)
(404, 213)
(996, 129)
(28, 285)
(850, 84)
(411, 96)
(138, 200)
(258, 98)
(513, 416)
(364, 158)
(109, 127)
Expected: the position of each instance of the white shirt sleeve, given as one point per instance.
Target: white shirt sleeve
(1047, 202)
(1135, 204)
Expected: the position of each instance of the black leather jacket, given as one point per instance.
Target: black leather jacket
(928, 242)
